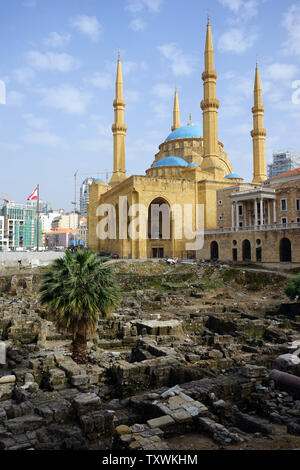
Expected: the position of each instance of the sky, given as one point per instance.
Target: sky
(58, 65)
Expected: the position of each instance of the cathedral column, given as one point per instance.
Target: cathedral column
(274, 212)
(119, 130)
(261, 212)
(232, 214)
(255, 213)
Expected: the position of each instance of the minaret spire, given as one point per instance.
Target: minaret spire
(119, 129)
(259, 133)
(210, 106)
(176, 112)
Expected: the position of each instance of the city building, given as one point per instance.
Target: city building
(84, 194)
(3, 240)
(66, 221)
(283, 162)
(242, 221)
(60, 239)
(83, 232)
(20, 226)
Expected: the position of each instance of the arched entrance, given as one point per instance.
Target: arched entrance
(246, 250)
(159, 227)
(285, 250)
(214, 251)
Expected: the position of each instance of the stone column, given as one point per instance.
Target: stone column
(237, 215)
(269, 212)
(255, 213)
(232, 213)
(261, 212)
(274, 212)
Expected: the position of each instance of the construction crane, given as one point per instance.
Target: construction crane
(75, 198)
(4, 199)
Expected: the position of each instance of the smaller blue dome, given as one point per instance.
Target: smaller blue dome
(232, 176)
(98, 181)
(193, 164)
(170, 161)
(186, 132)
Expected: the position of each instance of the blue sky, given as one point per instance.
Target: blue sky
(58, 62)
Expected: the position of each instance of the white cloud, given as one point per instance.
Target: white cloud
(103, 128)
(244, 9)
(88, 25)
(181, 64)
(237, 40)
(66, 98)
(136, 6)
(35, 122)
(53, 61)
(291, 22)
(163, 90)
(96, 145)
(132, 96)
(102, 80)
(57, 40)
(14, 98)
(161, 111)
(45, 138)
(137, 25)
(281, 72)
(129, 67)
(23, 75)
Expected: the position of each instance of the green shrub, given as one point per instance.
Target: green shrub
(292, 289)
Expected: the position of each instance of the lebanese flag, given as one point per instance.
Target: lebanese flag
(34, 195)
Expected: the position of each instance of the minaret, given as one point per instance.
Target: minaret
(119, 129)
(210, 106)
(258, 134)
(176, 113)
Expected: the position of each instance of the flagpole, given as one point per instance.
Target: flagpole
(37, 217)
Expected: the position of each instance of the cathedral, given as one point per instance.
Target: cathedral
(191, 169)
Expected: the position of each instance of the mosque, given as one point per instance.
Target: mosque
(192, 168)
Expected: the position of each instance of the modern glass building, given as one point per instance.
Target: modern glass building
(20, 225)
(283, 162)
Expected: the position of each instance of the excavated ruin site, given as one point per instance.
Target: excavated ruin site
(199, 356)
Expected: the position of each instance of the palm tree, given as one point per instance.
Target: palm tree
(76, 289)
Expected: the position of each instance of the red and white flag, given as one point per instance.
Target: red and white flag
(34, 195)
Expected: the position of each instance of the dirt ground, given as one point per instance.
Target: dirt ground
(201, 442)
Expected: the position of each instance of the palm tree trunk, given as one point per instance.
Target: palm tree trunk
(79, 349)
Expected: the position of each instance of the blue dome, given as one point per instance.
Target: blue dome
(170, 161)
(233, 175)
(193, 164)
(98, 181)
(186, 132)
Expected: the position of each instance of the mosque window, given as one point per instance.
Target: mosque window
(284, 220)
(298, 204)
(240, 210)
